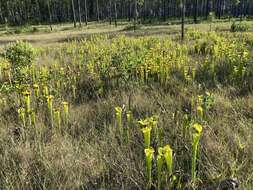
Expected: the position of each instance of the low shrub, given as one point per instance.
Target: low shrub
(242, 26)
(21, 56)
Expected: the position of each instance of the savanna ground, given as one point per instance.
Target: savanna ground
(207, 79)
(41, 34)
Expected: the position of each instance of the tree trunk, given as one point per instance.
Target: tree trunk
(135, 14)
(1, 14)
(115, 13)
(164, 10)
(97, 7)
(86, 12)
(38, 9)
(240, 11)
(110, 12)
(207, 8)
(129, 10)
(74, 13)
(50, 15)
(195, 11)
(183, 18)
(219, 8)
(79, 13)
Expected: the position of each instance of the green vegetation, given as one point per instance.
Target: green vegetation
(126, 94)
(242, 26)
(128, 110)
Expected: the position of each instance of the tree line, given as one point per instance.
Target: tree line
(19, 12)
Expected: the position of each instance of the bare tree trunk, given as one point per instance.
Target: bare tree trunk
(129, 10)
(115, 13)
(50, 15)
(110, 11)
(1, 14)
(183, 18)
(79, 13)
(74, 13)
(97, 10)
(38, 9)
(135, 14)
(219, 4)
(195, 11)
(164, 10)
(240, 11)
(86, 12)
(209, 7)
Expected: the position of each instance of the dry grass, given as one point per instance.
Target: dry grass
(65, 32)
(89, 153)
